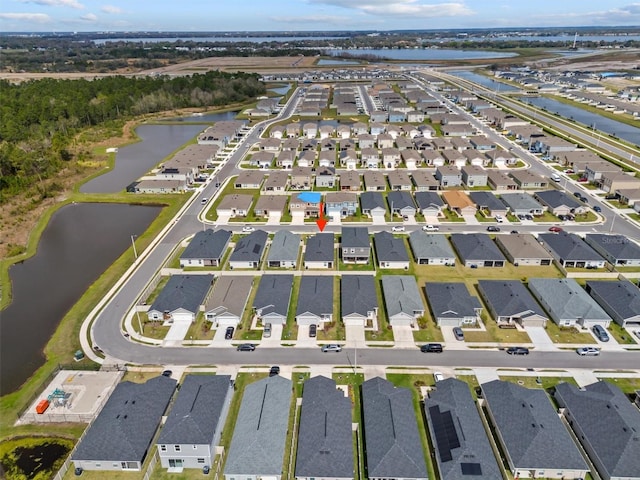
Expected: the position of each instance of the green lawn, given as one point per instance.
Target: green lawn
(451, 216)
(627, 385)
(537, 382)
(494, 333)
(545, 217)
(568, 334)
(290, 330)
(200, 329)
(429, 331)
(620, 334)
(588, 216)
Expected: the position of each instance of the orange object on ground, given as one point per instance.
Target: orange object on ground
(42, 406)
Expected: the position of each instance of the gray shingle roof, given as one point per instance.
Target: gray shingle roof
(476, 246)
(520, 201)
(257, 446)
(400, 200)
(533, 434)
(428, 199)
(284, 247)
(618, 247)
(357, 294)
(230, 294)
(124, 429)
(183, 291)
(510, 298)
(372, 200)
(392, 442)
(451, 404)
(315, 295)
(390, 248)
(566, 299)
(609, 423)
(325, 437)
(207, 244)
(451, 300)
(355, 237)
(195, 414)
(401, 295)
(424, 245)
(569, 246)
(557, 198)
(487, 200)
(622, 298)
(250, 248)
(274, 294)
(319, 248)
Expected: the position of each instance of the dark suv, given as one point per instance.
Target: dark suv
(228, 334)
(431, 348)
(601, 333)
(273, 371)
(518, 351)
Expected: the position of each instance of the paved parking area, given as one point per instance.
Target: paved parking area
(355, 336)
(274, 340)
(403, 337)
(304, 340)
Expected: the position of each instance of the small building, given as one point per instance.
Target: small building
(271, 304)
(534, 440)
(489, 203)
(227, 303)
(374, 181)
(459, 202)
(355, 245)
(616, 249)
(248, 250)
(559, 202)
(522, 204)
(451, 304)
(526, 179)
(474, 176)
(567, 303)
(206, 249)
(477, 249)
(180, 299)
(402, 299)
(260, 433)
(235, 205)
(500, 181)
(373, 205)
(523, 249)
(283, 252)
(431, 249)
(399, 180)
(570, 251)
(390, 251)
(620, 299)
(341, 204)
(510, 302)
(350, 181)
(401, 203)
(392, 442)
(270, 206)
(358, 300)
(319, 251)
(449, 176)
(195, 422)
(120, 436)
(605, 424)
(424, 181)
(276, 184)
(429, 204)
(315, 300)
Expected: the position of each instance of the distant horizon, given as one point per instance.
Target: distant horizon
(41, 16)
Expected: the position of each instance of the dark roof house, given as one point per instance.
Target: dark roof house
(477, 249)
(620, 299)
(206, 248)
(509, 301)
(181, 297)
(452, 304)
(271, 302)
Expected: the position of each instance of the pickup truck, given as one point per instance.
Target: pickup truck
(430, 228)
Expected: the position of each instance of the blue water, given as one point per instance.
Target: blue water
(423, 54)
(484, 81)
(569, 37)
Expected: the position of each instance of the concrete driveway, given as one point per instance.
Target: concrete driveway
(540, 339)
(274, 340)
(304, 340)
(403, 337)
(355, 336)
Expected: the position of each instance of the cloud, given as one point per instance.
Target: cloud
(402, 8)
(89, 17)
(624, 15)
(111, 9)
(26, 17)
(56, 3)
(322, 19)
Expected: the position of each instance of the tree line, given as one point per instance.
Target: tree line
(40, 118)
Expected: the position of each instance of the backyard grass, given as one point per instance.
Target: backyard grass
(627, 385)
(243, 330)
(537, 382)
(290, 329)
(356, 267)
(620, 334)
(384, 331)
(472, 381)
(568, 334)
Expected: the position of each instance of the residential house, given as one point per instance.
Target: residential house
(429, 204)
(605, 424)
(390, 251)
(235, 205)
(477, 249)
(307, 159)
(370, 158)
(319, 252)
(570, 251)
(206, 249)
(276, 184)
(526, 179)
(567, 303)
(327, 158)
(315, 300)
(619, 298)
(510, 302)
(292, 130)
(476, 158)
(300, 207)
(260, 432)
(157, 186)
(374, 181)
(225, 306)
(358, 300)
(373, 205)
(431, 249)
(616, 249)
(270, 206)
(488, 203)
(326, 177)
(402, 300)
(459, 202)
(401, 203)
(301, 178)
(454, 158)
(449, 176)
(310, 130)
(500, 181)
(614, 181)
(595, 169)
(270, 144)
(411, 158)
(391, 438)
(399, 180)
(391, 157)
(384, 140)
(535, 442)
(285, 160)
(451, 304)
(474, 176)
(355, 245)
(283, 252)
(248, 250)
(120, 436)
(350, 181)
(325, 435)
(424, 181)
(462, 448)
(552, 146)
(180, 299)
(366, 141)
(341, 204)
(262, 159)
(559, 202)
(522, 204)
(434, 158)
(271, 303)
(195, 422)
(523, 249)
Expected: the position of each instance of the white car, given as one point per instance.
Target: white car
(430, 228)
(248, 229)
(438, 376)
(588, 351)
(397, 228)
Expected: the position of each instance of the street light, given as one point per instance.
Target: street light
(133, 243)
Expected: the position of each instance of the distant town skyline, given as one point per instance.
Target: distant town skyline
(301, 15)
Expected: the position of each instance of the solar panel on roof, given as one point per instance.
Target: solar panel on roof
(471, 469)
(445, 432)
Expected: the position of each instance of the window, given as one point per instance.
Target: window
(163, 448)
(201, 460)
(176, 448)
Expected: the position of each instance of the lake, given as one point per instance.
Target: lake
(423, 54)
(485, 81)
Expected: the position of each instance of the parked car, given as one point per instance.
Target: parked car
(597, 208)
(167, 373)
(313, 329)
(398, 228)
(458, 333)
(577, 194)
(430, 228)
(555, 229)
(518, 351)
(248, 228)
(273, 371)
(528, 217)
(266, 332)
(588, 351)
(331, 347)
(493, 228)
(438, 376)
(583, 179)
(521, 217)
(611, 197)
(600, 333)
(246, 347)
(228, 334)
(405, 218)
(584, 199)
(431, 348)
(562, 218)
(204, 200)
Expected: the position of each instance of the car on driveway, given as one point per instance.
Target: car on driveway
(438, 376)
(518, 351)
(430, 228)
(493, 228)
(248, 229)
(331, 347)
(588, 351)
(246, 347)
(398, 228)
(228, 334)
(600, 333)
(458, 333)
(167, 373)
(431, 348)
(555, 229)
(273, 371)
(313, 329)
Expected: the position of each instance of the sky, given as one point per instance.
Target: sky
(296, 15)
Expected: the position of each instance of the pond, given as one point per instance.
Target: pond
(30, 460)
